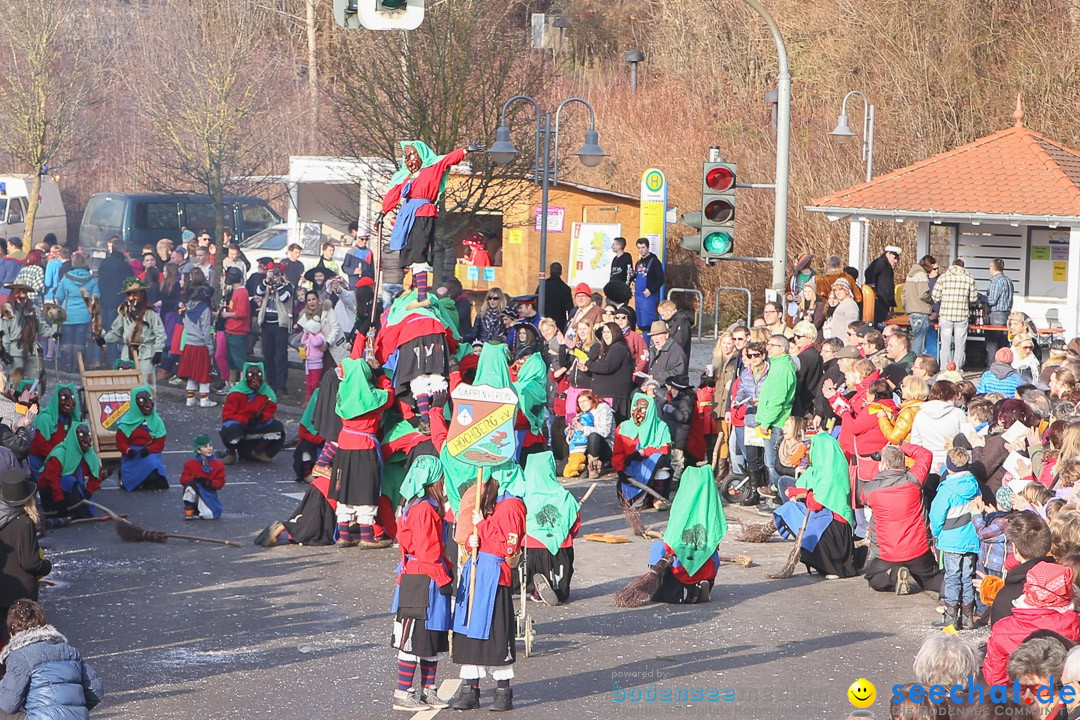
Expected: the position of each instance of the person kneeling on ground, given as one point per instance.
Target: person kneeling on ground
(140, 438)
(688, 550)
(72, 473)
(46, 677)
(249, 428)
(313, 523)
(901, 559)
(201, 479)
(641, 449)
(551, 523)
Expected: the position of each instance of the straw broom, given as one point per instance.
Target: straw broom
(793, 556)
(639, 591)
(131, 532)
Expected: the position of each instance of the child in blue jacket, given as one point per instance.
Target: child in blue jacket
(46, 678)
(956, 538)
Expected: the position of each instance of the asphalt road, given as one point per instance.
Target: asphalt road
(186, 630)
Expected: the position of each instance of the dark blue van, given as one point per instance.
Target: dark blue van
(142, 219)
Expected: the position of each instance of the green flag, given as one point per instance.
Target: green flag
(696, 524)
(550, 508)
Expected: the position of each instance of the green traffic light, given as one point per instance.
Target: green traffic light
(717, 243)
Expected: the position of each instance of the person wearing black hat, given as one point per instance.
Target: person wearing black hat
(23, 564)
(676, 411)
(20, 329)
(139, 329)
(525, 340)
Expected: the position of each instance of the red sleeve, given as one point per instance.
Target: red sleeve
(996, 656)
(393, 195)
(811, 502)
(93, 482)
(383, 382)
(662, 450)
(863, 421)
(268, 410)
(192, 469)
(923, 460)
(236, 408)
(50, 479)
(156, 445)
(41, 445)
(501, 533)
(569, 541)
(449, 160)
(123, 444)
(438, 429)
(424, 545)
(623, 446)
(217, 475)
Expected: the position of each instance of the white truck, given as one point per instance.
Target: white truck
(50, 223)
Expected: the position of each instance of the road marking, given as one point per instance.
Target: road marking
(447, 689)
(181, 487)
(295, 496)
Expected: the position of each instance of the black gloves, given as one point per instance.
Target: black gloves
(474, 146)
(447, 589)
(438, 398)
(157, 359)
(145, 452)
(100, 340)
(130, 454)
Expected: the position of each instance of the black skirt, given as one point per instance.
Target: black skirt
(420, 243)
(557, 568)
(412, 637)
(499, 648)
(425, 355)
(672, 590)
(835, 552)
(355, 477)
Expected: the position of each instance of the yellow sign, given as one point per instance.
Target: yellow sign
(652, 222)
(515, 236)
(1059, 271)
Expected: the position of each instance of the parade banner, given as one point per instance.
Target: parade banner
(482, 429)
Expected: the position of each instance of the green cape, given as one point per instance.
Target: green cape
(70, 454)
(309, 413)
(393, 473)
(493, 369)
(459, 476)
(696, 523)
(46, 419)
(357, 395)
(427, 159)
(425, 470)
(550, 508)
(450, 308)
(828, 476)
(652, 432)
(399, 310)
(531, 387)
(264, 389)
(511, 479)
(134, 417)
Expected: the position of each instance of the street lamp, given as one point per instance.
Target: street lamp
(546, 171)
(842, 133)
(632, 58)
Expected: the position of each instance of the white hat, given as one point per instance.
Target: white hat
(892, 249)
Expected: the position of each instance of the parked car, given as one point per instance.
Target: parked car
(50, 223)
(143, 219)
(273, 242)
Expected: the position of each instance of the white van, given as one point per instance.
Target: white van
(50, 223)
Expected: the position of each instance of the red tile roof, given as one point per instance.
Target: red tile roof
(1012, 172)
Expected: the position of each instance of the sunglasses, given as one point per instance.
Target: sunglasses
(739, 339)
(493, 297)
(753, 355)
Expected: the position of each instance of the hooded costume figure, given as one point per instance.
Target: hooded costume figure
(140, 438)
(201, 479)
(424, 584)
(529, 378)
(311, 442)
(414, 191)
(695, 528)
(52, 424)
(72, 473)
(827, 545)
(138, 328)
(551, 523)
(249, 428)
(642, 444)
(355, 476)
(21, 327)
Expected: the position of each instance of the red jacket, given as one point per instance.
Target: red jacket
(625, 446)
(193, 470)
(895, 497)
(426, 184)
(1010, 631)
(865, 431)
(705, 572)
(702, 423)
(847, 409)
(420, 537)
(50, 480)
(41, 446)
(139, 438)
(354, 431)
(243, 408)
(502, 533)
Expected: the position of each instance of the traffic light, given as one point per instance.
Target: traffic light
(379, 14)
(692, 242)
(717, 210)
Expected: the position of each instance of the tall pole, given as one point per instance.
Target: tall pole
(545, 174)
(783, 143)
(868, 137)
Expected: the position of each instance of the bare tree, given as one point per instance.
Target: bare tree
(208, 100)
(43, 89)
(445, 84)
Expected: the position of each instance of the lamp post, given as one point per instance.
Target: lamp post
(546, 171)
(842, 133)
(632, 58)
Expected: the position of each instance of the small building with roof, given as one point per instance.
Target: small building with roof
(1014, 194)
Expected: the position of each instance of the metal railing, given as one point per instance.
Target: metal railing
(716, 307)
(700, 304)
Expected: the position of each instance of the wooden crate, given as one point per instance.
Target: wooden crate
(108, 395)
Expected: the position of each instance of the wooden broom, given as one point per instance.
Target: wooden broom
(131, 532)
(639, 591)
(793, 556)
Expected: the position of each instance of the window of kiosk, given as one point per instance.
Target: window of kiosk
(1047, 263)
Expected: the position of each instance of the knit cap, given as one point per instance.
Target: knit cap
(200, 441)
(1048, 585)
(1004, 355)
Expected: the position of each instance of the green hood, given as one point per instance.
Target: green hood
(309, 413)
(70, 455)
(399, 310)
(550, 508)
(264, 389)
(426, 470)
(531, 388)
(356, 395)
(511, 479)
(459, 477)
(696, 523)
(134, 417)
(652, 432)
(828, 476)
(493, 367)
(46, 420)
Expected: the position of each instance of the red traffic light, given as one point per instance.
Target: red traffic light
(720, 211)
(720, 179)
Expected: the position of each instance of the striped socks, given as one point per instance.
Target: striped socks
(367, 534)
(420, 279)
(423, 405)
(343, 532)
(427, 673)
(405, 671)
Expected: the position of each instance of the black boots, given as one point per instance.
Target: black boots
(504, 700)
(951, 616)
(759, 477)
(967, 612)
(467, 698)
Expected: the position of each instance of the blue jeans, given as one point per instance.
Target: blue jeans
(953, 341)
(771, 455)
(782, 486)
(737, 455)
(920, 325)
(995, 339)
(959, 572)
(72, 340)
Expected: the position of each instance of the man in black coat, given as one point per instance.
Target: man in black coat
(676, 411)
(112, 273)
(808, 367)
(558, 300)
(679, 323)
(879, 274)
(1030, 537)
(666, 359)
